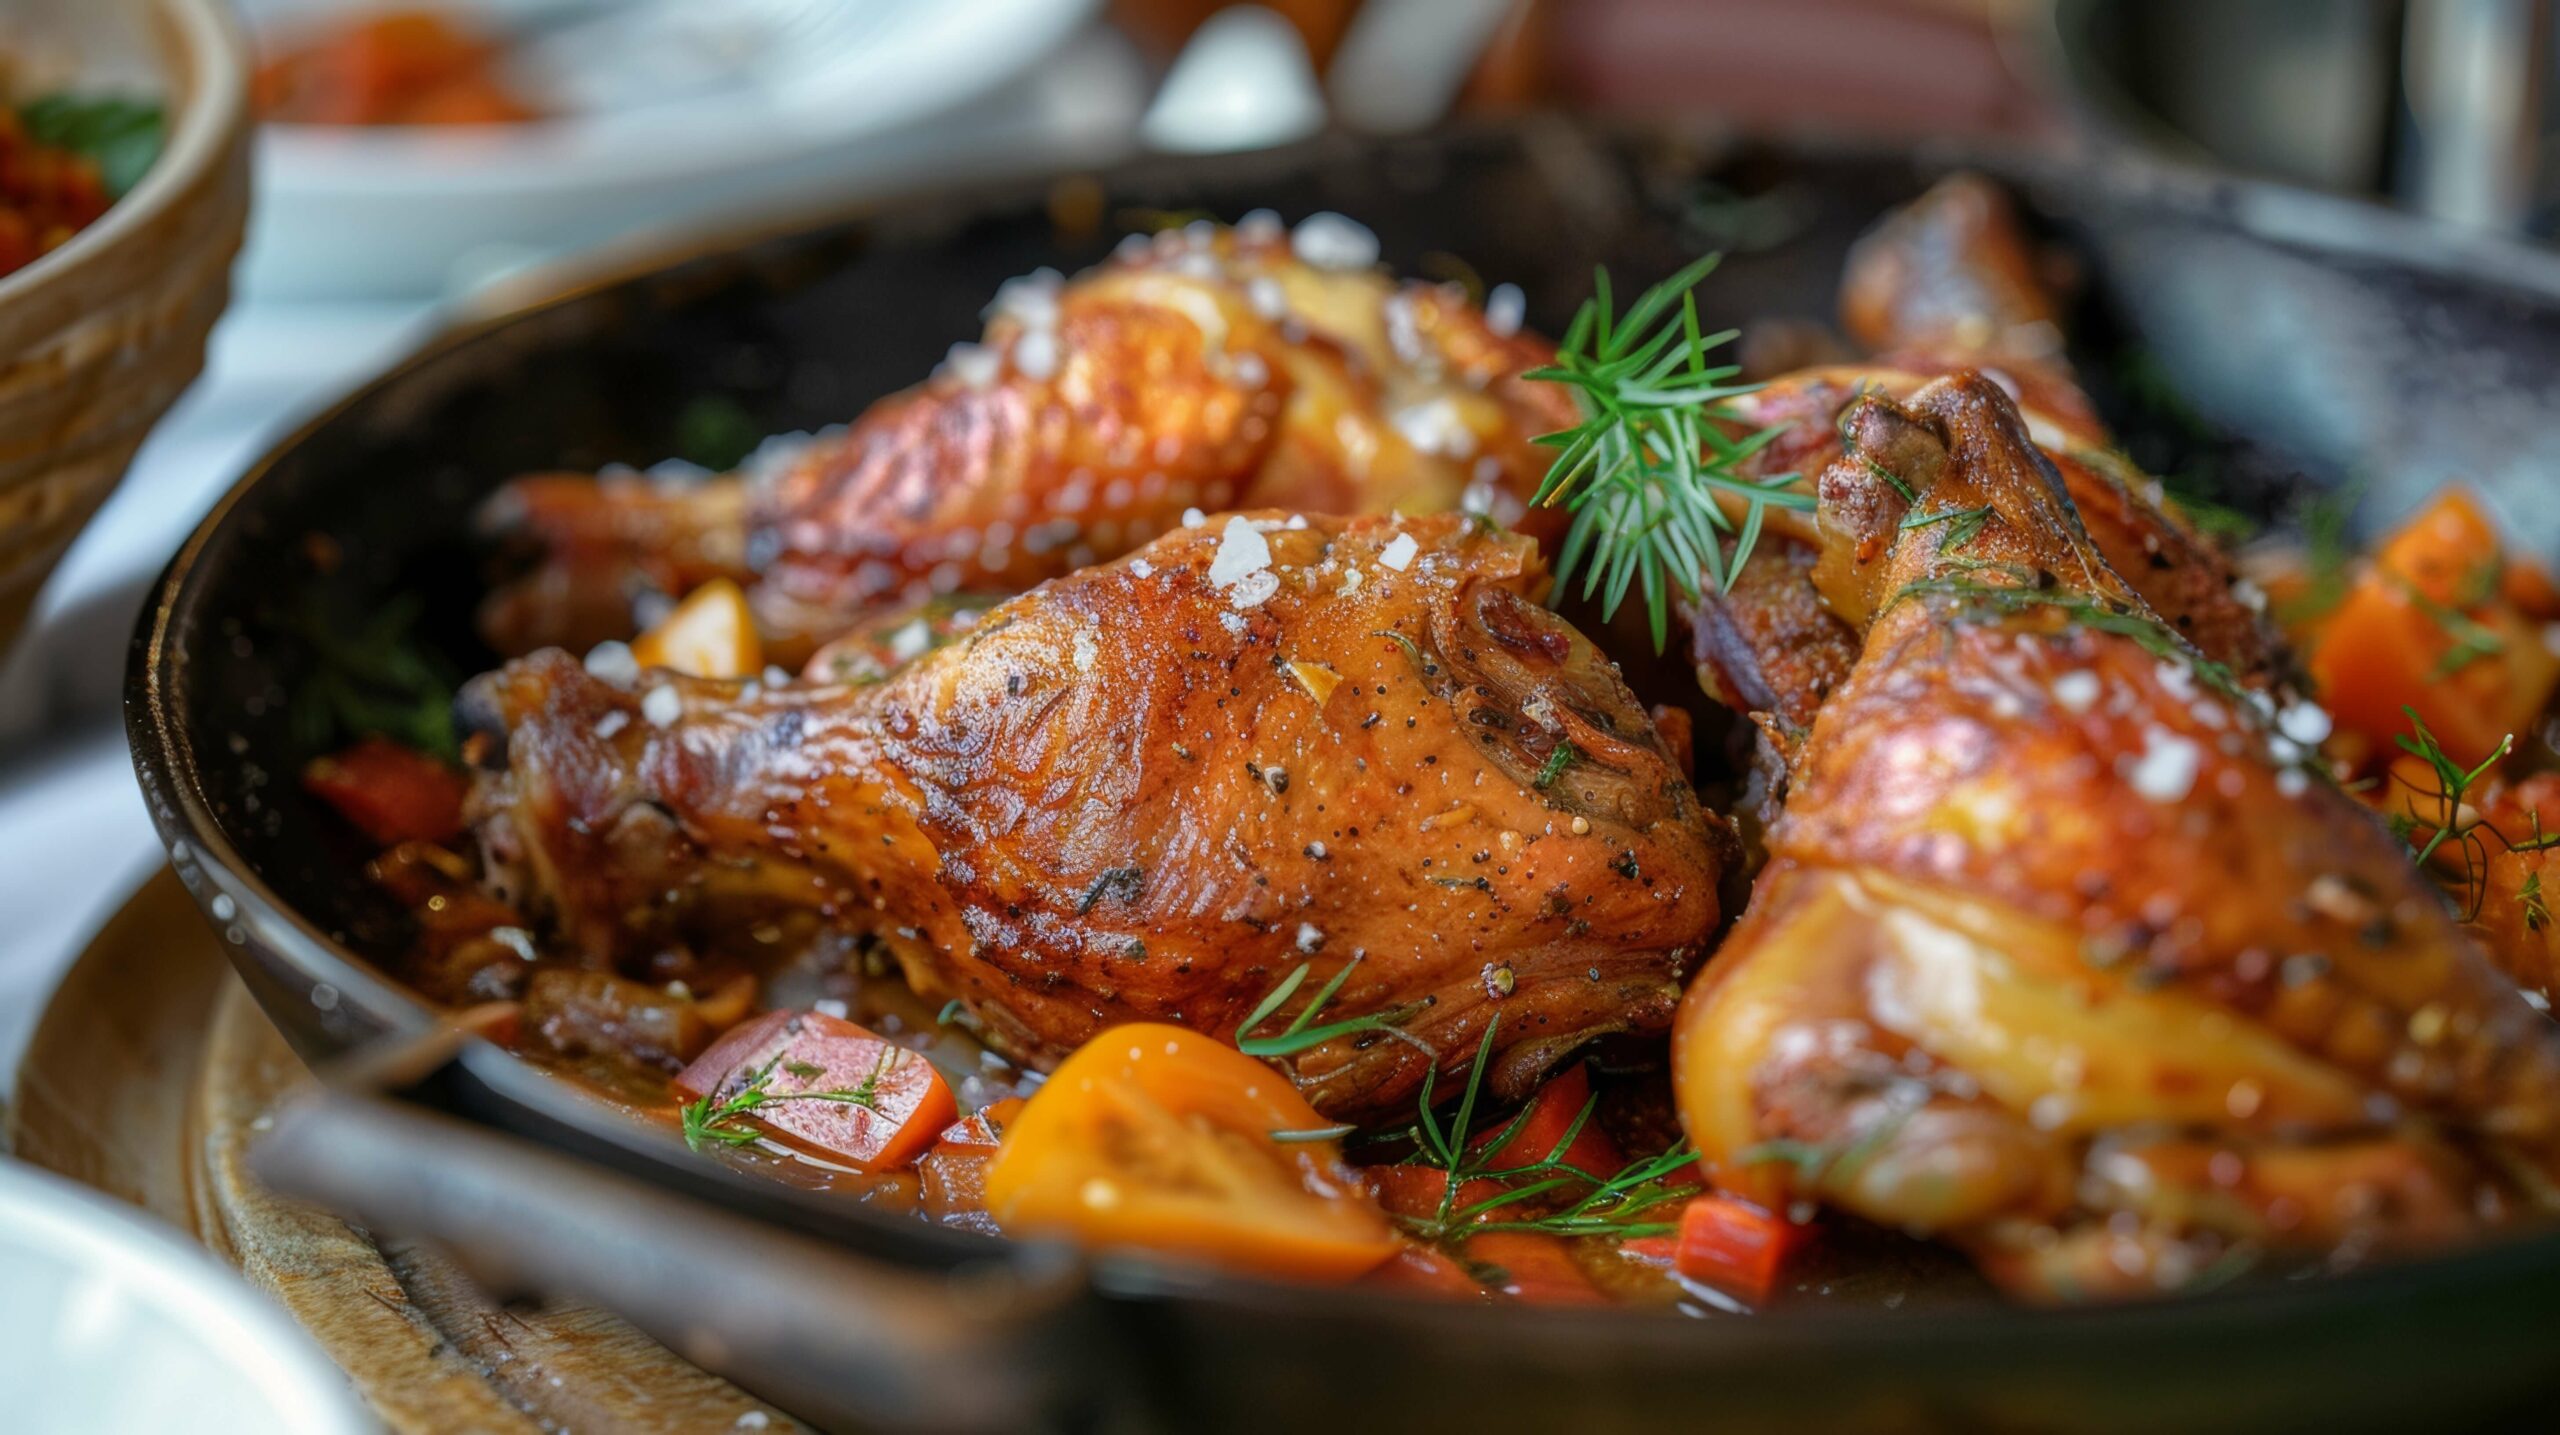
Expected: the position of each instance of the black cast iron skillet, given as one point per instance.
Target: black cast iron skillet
(2324, 343)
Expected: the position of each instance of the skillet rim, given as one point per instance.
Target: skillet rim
(169, 769)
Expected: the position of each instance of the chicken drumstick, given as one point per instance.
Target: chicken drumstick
(1149, 791)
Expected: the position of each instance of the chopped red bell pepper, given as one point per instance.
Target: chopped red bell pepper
(392, 793)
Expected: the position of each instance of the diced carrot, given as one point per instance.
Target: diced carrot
(1533, 1267)
(1426, 1271)
(2444, 623)
(391, 793)
(1541, 1129)
(711, 634)
(1735, 1246)
(955, 1170)
(1663, 1251)
(812, 1066)
(1415, 1191)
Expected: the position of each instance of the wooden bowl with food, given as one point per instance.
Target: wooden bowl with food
(124, 183)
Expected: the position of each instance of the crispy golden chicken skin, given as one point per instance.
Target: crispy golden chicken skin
(2061, 952)
(1946, 285)
(1209, 368)
(1148, 791)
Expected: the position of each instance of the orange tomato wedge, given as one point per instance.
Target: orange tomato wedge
(2444, 623)
(711, 634)
(811, 1065)
(1162, 1139)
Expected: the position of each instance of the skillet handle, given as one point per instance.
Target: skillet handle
(840, 1340)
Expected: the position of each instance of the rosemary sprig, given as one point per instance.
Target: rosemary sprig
(1612, 1205)
(373, 677)
(1962, 525)
(1647, 471)
(1299, 1035)
(708, 1121)
(2536, 915)
(2146, 633)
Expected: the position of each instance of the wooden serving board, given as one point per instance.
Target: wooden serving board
(150, 1075)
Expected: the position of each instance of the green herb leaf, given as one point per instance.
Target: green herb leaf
(1648, 471)
(1299, 1035)
(373, 677)
(122, 136)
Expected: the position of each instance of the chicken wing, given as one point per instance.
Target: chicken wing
(1206, 368)
(1149, 791)
(2064, 951)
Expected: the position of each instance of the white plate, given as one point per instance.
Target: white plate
(110, 1322)
(351, 212)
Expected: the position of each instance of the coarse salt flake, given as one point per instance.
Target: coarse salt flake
(1436, 427)
(2076, 691)
(613, 662)
(1398, 554)
(1309, 937)
(972, 364)
(1329, 241)
(1504, 308)
(1242, 550)
(1085, 651)
(2166, 770)
(1035, 355)
(1254, 589)
(2304, 723)
(662, 707)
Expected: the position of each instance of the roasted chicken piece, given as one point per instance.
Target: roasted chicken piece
(1149, 791)
(2065, 951)
(1206, 368)
(1948, 284)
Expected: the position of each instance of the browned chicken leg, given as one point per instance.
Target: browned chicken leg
(1148, 791)
(1210, 368)
(2061, 952)
(1947, 284)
